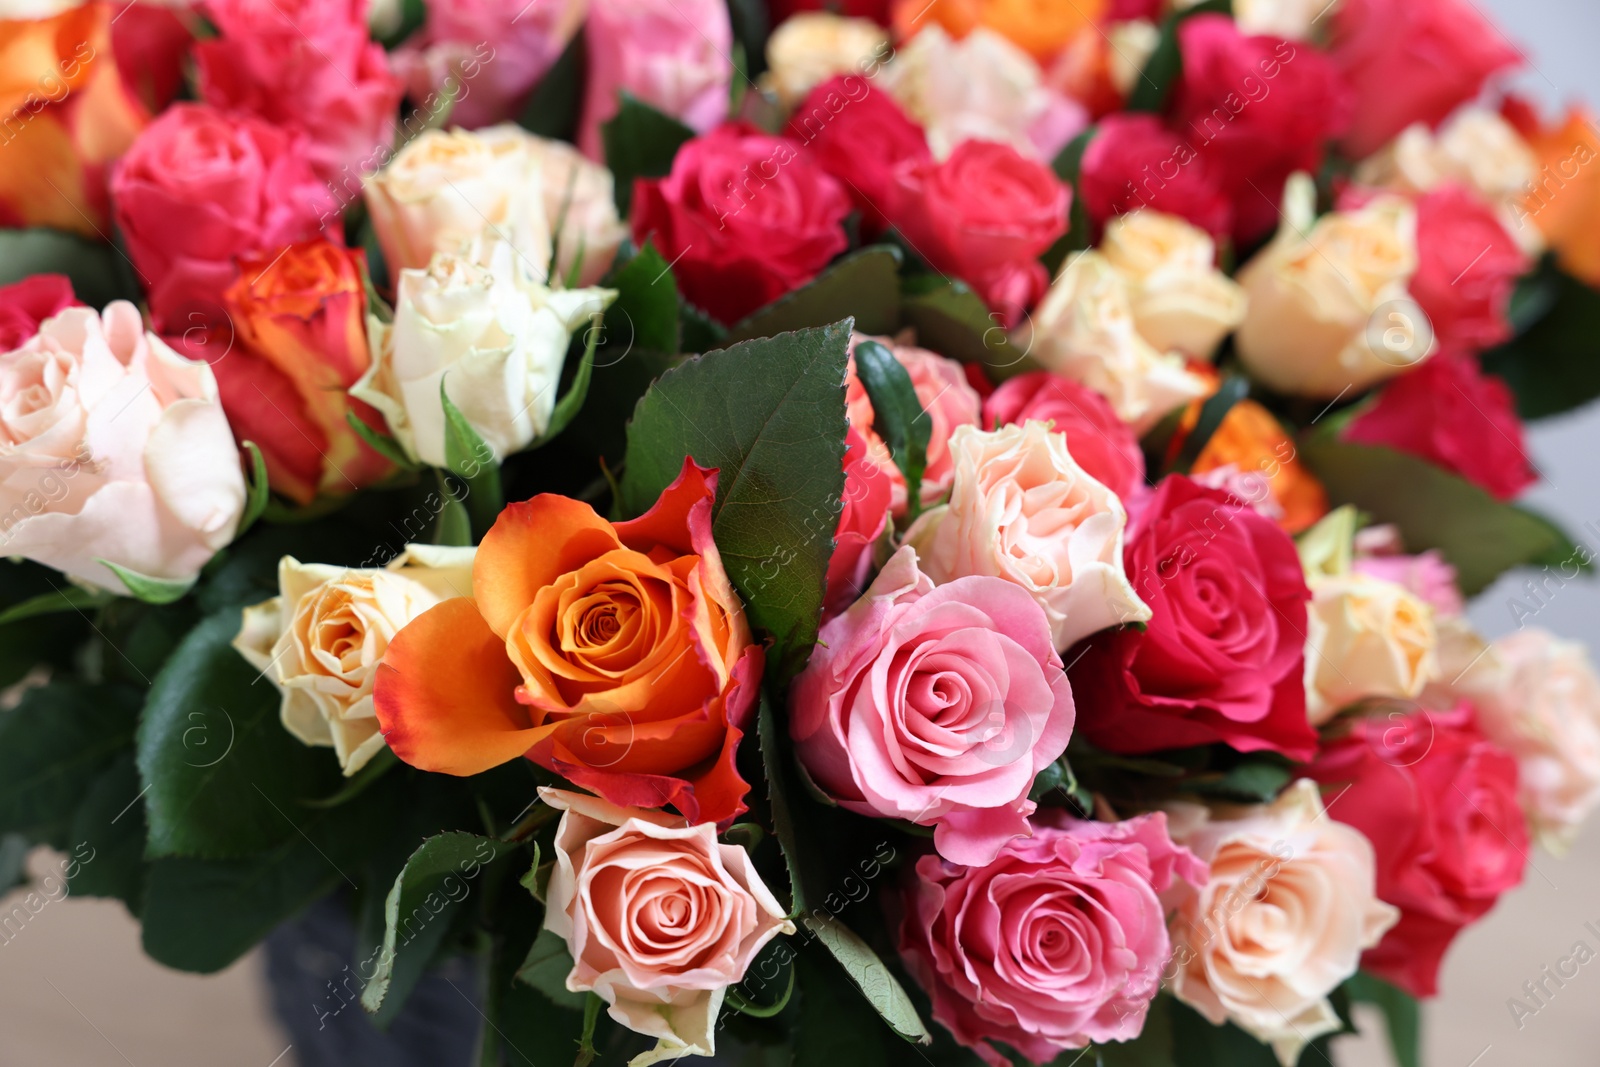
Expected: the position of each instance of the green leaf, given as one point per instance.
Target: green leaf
(897, 414)
(381, 443)
(546, 967)
(783, 825)
(522, 1026)
(1554, 365)
(571, 402)
(836, 1028)
(552, 110)
(864, 284)
(470, 458)
(148, 589)
(1068, 166)
(1197, 1043)
(100, 272)
(951, 319)
(1251, 780)
(1165, 65)
(225, 778)
(65, 598)
(108, 834)
(640, 142)
(258, 491)
(700, 332)
(769, 414)
(455, 524)
(1401, 1015)
(645, 312)
(418, 912)
(14, 849)
(1229, 392)
(1481, 536)
(54, 746)
(882, 990)
(591, 1015)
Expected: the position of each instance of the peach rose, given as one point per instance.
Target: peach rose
(1284, 916)
(1180, 299)
(1366, 638)
(1253, 444)
(660, 918)
(813, 46)
(1022, 509)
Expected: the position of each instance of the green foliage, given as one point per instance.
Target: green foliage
(954, 321)
(1165, 65)
(1401, 1015)
(553, 109)
(640, 143)
(100, 272)
(897, 414)
(645, 312)
(864, 285)
(469, 457)
(148, 589)
(1553, 365)
(882, 990)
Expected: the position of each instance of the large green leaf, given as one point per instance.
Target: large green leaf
(640, 142)
(1481, 536)
(864, 285)
(774, 753)
(952, 320)
(645, 312)
(1401, 1015)
(546, 967)
(552, 110)
(1554, 365)
(769, 415)
(225, 778)
(108, 833)
(99, 272)
(881, 988)
(1165, 65)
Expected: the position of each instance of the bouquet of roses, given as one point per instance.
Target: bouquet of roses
(794, 532)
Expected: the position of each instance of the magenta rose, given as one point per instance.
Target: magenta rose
(1467, 266)
(25, 304)
(1223, 657)
(1059, 942)
(1134, 161)
(744, 217)
(865, 140)
(197, 190)
(937, 706)
(1103, 444)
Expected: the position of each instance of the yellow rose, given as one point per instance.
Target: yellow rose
(813, 46)
(1180, 300)
(1366, 638)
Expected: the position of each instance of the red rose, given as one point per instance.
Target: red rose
(1438, 801)
(1450, 413)
(863, 139)
(1134, 161)
(868, 493)
(198, 189)
(25, 304)
(985, 214)
(306, 65)
(1260, 107)
(1411, 61)
(876, 10)
(151, 44)
(1102, 444)
(1223, 658)
(744, 217)
(1467, 266)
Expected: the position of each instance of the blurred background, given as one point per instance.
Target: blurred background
(76, 991)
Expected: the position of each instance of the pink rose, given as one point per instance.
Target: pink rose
(307, 65)
(1059, 942)
(1103, 444)
(671, 54)
(25, 304)
(864, 139)
(1134, 161)
(1467, 266)
(946, 395)
(935, 705)
(1412, 61)
(867, 492)
(197, 190)
(660, 918)
(1427, 576)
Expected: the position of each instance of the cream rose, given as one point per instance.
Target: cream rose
(1284, 916)
(660, 918)
(813, 46)
(1328, 308)
(479, 322)
(323, 636)
(1084, 329)
(579, 205)
(1366, 638)
(113, 448)
(1132, 43)
(1180, 299)
(1541, 702)
(1022, 509)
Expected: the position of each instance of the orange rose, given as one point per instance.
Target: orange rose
(615, 654)
(1251, 441)
(1563, 200)
(64, 111)
(1042, 28)
(301, 341)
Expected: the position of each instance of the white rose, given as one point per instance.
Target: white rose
(1022, 509)
(1366, 638)
(479, 322)
(113, 447)
(323, 636)
(1180, 299)
(813, 46)
(579, 204)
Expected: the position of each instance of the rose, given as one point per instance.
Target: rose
(1084, 329)
(152, 45)
(671, 54)
(307, 65)
(1540, 700)
(1450, 413)
(1467, 267)
(1285, 913)
(238, 185)
(1564, 205)
(26, 304)
(938, 706)
(116, 451)
(985, 214)
(65, 111)
(862, 521)
(744, 217)
(863, 139)
(299, 314)
(1444, 824)
(1082, 940)
(948, 400)
(1259, 107)
(1223, 656)
(1313, 325)
(1134, 161)
(1427, 576)
(1180, 300)
(322, 637)
(1041, 30)
(876, 10)
(659, 917)
(1366, 638)
(1101, 443)
(813, 48)
(1022, 509)
(615, 654)
(1411, 61)
(1250, 443)
(580, 204)
(479, 326)
(1297, 20)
